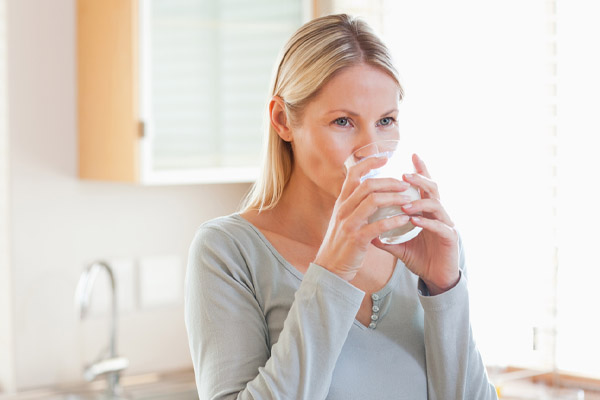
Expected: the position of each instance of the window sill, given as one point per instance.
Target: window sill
(200, 176)
(520, 384)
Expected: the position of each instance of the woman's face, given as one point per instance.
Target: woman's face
(359, 105)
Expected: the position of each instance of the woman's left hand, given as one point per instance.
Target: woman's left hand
(433, 254)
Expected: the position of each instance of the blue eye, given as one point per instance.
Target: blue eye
(386, 121)
(343, 121)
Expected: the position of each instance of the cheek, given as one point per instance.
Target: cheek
(323, 153)
(329, 165)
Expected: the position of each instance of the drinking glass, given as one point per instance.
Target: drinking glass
(399, 161)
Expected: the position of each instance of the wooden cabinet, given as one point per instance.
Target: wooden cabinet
(108, 96)
(175, 91)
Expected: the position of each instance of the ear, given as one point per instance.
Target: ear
(279, 119)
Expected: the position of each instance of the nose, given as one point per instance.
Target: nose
(366, 136)
(362, 146)
(372, 141)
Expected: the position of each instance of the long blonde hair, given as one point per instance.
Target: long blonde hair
(319, 49)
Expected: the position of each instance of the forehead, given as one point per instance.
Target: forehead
(360, 87)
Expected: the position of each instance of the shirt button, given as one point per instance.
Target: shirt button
(374, 317)
(375, 309)
(375, 296)
(372, 325)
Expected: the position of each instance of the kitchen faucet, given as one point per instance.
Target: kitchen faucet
(110, 365)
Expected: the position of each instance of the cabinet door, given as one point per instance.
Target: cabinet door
(107, 99)
(205, 71)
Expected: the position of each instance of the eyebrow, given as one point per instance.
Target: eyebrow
(356, 114)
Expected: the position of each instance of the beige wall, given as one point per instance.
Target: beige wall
(6, 361)
(59, 223)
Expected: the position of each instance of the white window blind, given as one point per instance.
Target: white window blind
(578, 110)
(477, 75)
(502, 103)
(209, 73)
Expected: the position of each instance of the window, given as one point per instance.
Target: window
(206, 68)
(502, 103)
(578, 124)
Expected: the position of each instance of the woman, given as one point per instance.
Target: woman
(295, 297)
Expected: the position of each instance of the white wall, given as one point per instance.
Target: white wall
(6, 348)
(59, 223)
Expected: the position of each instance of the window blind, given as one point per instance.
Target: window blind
(476, 108)
(578, 144)
(501, 102)
(210, 70)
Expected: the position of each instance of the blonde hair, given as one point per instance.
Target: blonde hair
(318, 50)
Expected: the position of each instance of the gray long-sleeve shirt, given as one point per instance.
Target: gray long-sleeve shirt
(259, 329)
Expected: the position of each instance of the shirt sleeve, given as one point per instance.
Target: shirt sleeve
(228, 334)
(455, 369)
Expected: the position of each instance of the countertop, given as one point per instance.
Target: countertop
(176, 385)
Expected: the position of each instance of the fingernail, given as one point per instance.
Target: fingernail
(406, 206)
(416, 219)
(409, 176)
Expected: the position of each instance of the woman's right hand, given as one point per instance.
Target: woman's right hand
(349, 233)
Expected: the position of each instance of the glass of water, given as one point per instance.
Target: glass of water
(399, 162)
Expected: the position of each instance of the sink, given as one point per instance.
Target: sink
(186, 395)
(177, 385)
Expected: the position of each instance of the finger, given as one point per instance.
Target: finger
(377, 200)
(420, 166)
(374, 229)
(430, 207)
(365, 193)
(429, 189)
(435, 226)
(356, 171)
(395, 249)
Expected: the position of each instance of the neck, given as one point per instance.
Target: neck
(304, 209)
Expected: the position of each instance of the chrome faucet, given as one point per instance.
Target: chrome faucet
(107, 364)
